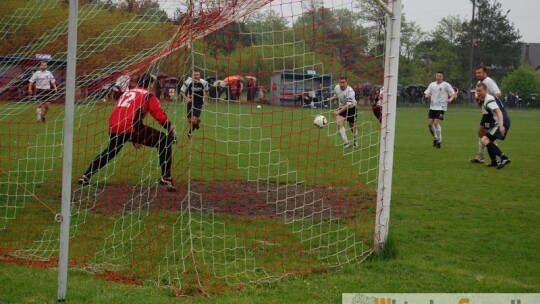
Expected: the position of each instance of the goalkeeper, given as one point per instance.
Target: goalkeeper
(126, 124)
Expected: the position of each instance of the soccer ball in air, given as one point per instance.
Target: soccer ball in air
(320, 121)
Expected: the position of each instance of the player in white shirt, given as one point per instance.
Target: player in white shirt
(346, 111)
(43, 80)
(492, 89)
(440, 94)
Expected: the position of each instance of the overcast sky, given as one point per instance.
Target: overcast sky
(524, 14)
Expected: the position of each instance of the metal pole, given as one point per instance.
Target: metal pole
(67, 160)
(471, 58)
(388, 126)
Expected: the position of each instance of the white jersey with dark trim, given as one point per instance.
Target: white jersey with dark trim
(440, 92)
(195, 89)
(492, 89)
(43, 80)
(491, 104)
(345, 96)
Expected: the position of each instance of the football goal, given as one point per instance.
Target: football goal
(256, 189)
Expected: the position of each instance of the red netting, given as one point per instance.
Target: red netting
(261, 193)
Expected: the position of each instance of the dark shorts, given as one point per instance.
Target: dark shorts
(144, 135)
(350, 115)
(377, 111)
(43, 95)
(485, 122)
(193, 110)
(494, 133)
(436, 114)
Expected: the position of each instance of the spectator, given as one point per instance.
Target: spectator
(310, 97)
(236, 90)
(251, 89)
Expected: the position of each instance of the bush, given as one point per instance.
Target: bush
(523, 81)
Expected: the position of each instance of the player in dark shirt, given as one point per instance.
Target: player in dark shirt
(195, 93)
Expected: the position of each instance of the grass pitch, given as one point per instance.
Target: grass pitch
(455, 227)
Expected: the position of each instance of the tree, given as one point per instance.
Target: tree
(269, 24)
(496, 41)
(373, 18)
(230, 37)
(439, 52)
(523, 81)
(449, 28)
(333, 32)
(411, 36)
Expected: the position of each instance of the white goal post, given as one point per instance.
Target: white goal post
(391, 69)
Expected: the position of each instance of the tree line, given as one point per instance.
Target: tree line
(354, 40)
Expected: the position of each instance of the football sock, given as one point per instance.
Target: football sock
(355, 136)
(481, 147)
(343, 134)
(432, 131)
(39, 113)
(438, 132)
(494, 150)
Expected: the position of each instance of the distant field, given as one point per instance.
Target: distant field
(455, 227)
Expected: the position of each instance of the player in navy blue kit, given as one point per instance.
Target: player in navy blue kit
(499, 122)
(195, 93)
(492, 89)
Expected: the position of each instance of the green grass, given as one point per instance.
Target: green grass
(455, 227)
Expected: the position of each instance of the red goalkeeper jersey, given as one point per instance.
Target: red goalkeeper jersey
(131, 108)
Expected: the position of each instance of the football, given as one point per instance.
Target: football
(320, 121)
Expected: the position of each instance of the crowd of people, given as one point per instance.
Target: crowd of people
(518, 101)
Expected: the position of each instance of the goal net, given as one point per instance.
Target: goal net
(261, 193)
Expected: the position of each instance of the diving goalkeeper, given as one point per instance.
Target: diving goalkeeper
(126, 125)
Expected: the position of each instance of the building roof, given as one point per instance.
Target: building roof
(303, 76)
(530, 54)
(18, 60)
